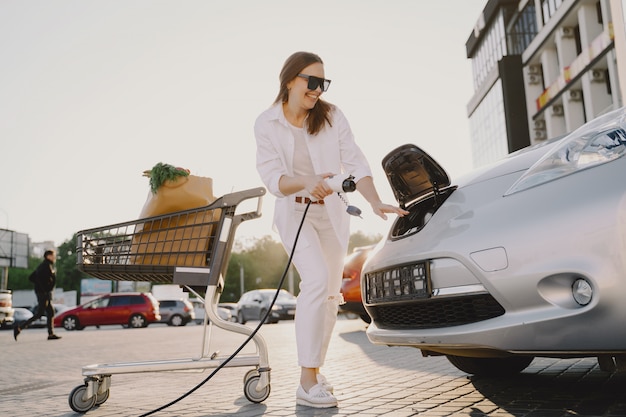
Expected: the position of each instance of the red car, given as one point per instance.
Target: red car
(126, 308)
(351, 285)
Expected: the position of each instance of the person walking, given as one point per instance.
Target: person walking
(302, 141)
(44, 278)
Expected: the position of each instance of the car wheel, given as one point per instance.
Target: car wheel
(240, 318)
(136, 321)
(71, 323)
(176, 320)
(491, 366)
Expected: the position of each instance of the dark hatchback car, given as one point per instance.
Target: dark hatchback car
(253, 305)
(351, 284)
(127, 309)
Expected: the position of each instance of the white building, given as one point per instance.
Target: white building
(541, 69)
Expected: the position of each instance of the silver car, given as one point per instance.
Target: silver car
(524, 258)
(176, 312)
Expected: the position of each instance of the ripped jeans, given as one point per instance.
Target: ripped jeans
(319, 261)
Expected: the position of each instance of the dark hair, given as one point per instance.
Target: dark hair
(48, 253)
(319, 115)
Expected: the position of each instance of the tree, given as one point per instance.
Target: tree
(360, 239)
(68, 274)
(263, 264)
(18, 277)
(265, 260)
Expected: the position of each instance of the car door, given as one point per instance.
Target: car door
(166, 308)
(118, 311)
(249, 304)
(254, 306)
(92, 312)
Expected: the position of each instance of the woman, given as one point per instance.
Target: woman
(302, 141)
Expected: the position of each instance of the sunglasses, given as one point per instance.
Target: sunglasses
(315, 82)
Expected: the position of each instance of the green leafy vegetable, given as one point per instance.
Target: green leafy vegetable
(164, 172)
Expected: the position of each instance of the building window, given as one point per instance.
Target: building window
(548, 8)
(522, 30)
(493, 46)
(488, 128)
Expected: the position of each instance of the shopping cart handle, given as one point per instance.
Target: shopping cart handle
(233, 199)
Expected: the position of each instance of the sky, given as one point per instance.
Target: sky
(92, 93)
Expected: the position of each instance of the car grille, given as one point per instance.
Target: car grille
(400, 297)
(402, 282)
(436, 312)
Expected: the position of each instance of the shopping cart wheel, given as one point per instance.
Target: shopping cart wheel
(78, 402)
(250, 374)
(101, 398)
(249, 390)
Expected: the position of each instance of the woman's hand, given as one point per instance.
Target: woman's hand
(317, 186)
(368, 190)
(381, 208)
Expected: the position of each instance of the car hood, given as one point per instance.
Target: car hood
(519, 161)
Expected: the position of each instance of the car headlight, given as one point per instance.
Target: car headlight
(597, 142)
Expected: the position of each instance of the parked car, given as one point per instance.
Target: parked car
(223, 313)
(520, 259)
(21, 314)
(132, 309)
(232, 309)
(6, 309)
(253, 305)
(177, 312)
(351, 284)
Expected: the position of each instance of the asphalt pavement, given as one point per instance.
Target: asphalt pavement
(37, 376)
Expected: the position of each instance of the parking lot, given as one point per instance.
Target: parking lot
(37, 376)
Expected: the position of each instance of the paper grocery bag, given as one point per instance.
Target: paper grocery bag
(179, 239)
(180, 194)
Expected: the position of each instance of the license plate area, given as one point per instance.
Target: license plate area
(398, 283)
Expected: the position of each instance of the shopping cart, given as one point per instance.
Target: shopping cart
(190, 248)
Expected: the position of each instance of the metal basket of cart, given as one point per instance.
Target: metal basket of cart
(190, 248)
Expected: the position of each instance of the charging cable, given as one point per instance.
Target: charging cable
(254, 332)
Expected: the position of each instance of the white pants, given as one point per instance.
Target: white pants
(320, 264)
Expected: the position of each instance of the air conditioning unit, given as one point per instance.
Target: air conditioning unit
(597, 76)
(534, 70)
(575, 95)
(566, 32)
(539, 124)
(534, 79)
(557, 110)
(540, 134)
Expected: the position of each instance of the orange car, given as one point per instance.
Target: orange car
(351, 285)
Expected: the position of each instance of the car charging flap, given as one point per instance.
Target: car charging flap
(413, 174)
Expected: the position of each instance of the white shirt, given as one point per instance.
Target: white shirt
(333, 149)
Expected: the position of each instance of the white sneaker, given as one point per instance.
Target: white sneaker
(321, 379)
(317, 397)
